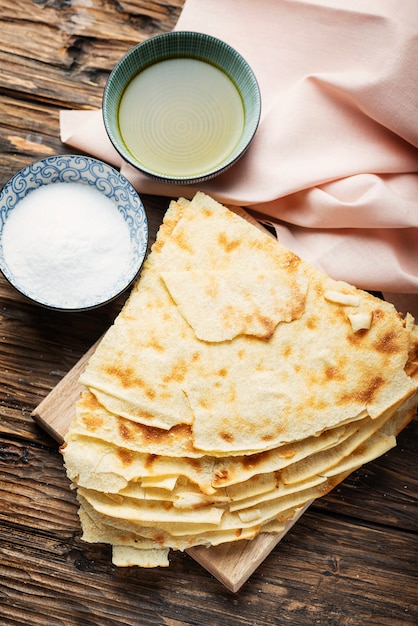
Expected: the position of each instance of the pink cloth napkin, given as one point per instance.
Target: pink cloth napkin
(334, 163)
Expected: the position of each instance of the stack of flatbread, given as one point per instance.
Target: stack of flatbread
(237, 385)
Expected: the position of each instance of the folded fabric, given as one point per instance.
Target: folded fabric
(334, 163)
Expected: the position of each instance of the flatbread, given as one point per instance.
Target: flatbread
(237, 385)
(152, 368)
(230, 303)
(108, 461)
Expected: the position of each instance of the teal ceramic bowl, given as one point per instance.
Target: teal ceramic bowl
(181, 107)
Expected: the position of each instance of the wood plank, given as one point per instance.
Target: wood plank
(324, 573)
(54, 414)
(76, 45)
(45, 503)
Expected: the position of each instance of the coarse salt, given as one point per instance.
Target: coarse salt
(67, 245)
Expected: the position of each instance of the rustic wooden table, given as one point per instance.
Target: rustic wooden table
(351, 559)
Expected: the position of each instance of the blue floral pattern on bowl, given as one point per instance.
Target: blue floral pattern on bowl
(89, 171)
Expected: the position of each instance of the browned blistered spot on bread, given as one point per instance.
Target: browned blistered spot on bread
(150, 393)
(150, 460)
(124, 431)
(377, 315)
(92, 422)
(227, 243)
(227, 437)
(125, 456)
(126, 376)
(194, 463)
(290, 261)
(177, 373)
(145, 416)
(389, 342)
(135, 432)
(129, 380)
(319, 404)
(90, 401)
(366, 393)
(159, 538)
(154, 343)
(206, 403)
(126, 315)
(182, 241)
(265, 322)
(265, 244)
(333, 373)
(159, 434)
(312, 322)
(287, 351)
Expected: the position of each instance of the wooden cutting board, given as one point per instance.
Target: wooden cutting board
(232, 564)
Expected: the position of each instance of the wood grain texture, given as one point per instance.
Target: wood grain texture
(350, 560)
(355, 581)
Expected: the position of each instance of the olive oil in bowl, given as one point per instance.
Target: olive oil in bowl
(181, 107)
(181, 117)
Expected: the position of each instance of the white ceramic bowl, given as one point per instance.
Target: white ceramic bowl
(111, 191)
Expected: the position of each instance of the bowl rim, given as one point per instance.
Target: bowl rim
(51, 159)
(115, 137)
